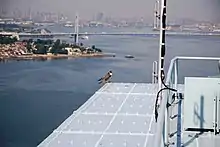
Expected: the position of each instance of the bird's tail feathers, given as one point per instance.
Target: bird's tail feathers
(100, 79)
(100, 82)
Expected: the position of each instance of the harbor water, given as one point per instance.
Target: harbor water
(36, 96)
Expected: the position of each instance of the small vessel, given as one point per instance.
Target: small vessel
(68, 25)
(85, 37)
(156, 29)
(71, 36)
(129, 56)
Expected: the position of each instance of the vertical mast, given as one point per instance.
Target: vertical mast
(155, 16)
(162, 44)
(158, 11)
(58, 17)
(77, 28)
(29, 14)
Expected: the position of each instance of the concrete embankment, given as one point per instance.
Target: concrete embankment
(59, 56)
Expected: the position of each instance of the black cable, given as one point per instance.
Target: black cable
(158, 93)
(162, 73)
(156, 107)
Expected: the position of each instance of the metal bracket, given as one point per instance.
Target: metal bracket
(169, 143)
(216, 120)
(154, 72)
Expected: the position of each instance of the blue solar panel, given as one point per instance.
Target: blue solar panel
(119, 114)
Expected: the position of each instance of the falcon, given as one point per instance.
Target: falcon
(105, 78)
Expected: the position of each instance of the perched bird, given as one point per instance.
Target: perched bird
(105, 78)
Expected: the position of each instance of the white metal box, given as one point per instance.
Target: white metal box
(201, 104)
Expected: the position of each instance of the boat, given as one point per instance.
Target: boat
(164, 113)
(156, 29)
(84, 37)
(71, 36)
(129, 56)
(68, 25)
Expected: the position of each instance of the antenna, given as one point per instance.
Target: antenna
(76, 29)
(58, 17)
(156, 14)
(162, 44)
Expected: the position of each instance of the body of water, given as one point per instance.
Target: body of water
(35, 97)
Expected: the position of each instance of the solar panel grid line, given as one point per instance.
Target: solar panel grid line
(128, 101)
(91, 99)
(197, 142)
(104, 87)
(118, 93)
(119, 114)
(84, 105)
(105, 133)
(113, 118)
(150, 125)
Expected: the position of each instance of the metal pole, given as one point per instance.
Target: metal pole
(215, 114)
(155, 15)
(158, 11)
(161, 68)
(77, 29)
(162, 44)
(154, 72)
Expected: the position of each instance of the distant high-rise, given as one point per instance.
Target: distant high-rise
(3, 10)
(17, 13)
(29, 14)
(99, 16)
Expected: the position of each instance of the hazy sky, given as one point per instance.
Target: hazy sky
(201, 9)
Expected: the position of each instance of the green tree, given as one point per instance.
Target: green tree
(38, 41)
(57, 44)
(56, 47)
(63, 45)
(29, 47)
(7, 40)
(41, 49)
(98, 50)
(24, 41)
(30, 41)
(44, 50)
(48, 42)
(93, 47)
(14, 39)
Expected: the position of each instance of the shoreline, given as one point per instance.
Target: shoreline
(51, 57)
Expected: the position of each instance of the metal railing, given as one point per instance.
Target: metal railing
(163, 124)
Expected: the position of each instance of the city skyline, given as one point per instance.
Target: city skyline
(196, 9)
